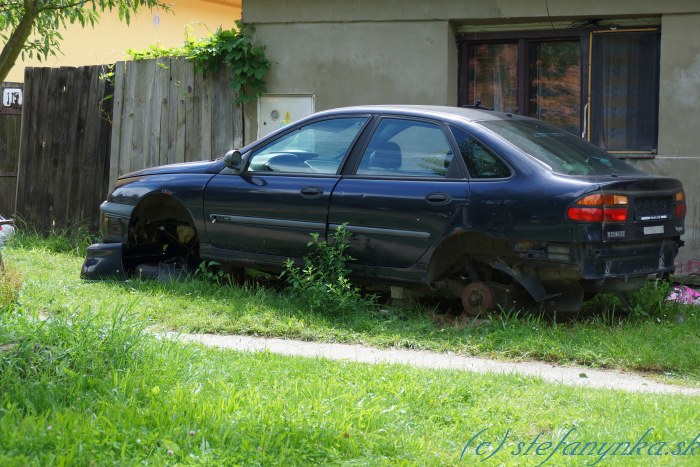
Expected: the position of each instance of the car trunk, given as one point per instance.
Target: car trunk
(653, 213)
(640, 237)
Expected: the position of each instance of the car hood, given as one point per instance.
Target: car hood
(185, 168)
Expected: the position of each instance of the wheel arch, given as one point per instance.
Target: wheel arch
(162, 229)
(457, 250)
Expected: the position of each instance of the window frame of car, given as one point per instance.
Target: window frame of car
(454, 172)
(298, 126)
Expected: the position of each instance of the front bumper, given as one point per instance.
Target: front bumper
(104, 261)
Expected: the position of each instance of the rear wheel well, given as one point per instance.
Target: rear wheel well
(161, 230)
(460, 252)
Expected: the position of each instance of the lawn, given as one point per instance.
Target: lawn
(83, 381)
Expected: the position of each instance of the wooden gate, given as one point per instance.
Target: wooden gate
(10, 122)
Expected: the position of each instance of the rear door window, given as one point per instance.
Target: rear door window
(407, 148)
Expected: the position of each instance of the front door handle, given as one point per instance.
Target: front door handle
(437, 198)
(312, 192)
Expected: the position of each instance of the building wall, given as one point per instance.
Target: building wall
(110, 39)
(404, 51)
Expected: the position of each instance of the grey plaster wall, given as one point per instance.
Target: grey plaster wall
(679, 94)
(679, 123)
(361, 63)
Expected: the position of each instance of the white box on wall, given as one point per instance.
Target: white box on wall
(278, 110)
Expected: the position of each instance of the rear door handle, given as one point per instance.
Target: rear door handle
(312, 192)
(437, 198)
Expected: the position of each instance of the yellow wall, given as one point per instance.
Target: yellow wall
(109, 40)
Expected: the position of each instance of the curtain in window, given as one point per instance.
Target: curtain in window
(624, 78)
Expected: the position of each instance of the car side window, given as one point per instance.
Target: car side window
(407, 148)
(315, 148)
(480, 160)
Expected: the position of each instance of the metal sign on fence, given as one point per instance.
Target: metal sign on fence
(11, 98)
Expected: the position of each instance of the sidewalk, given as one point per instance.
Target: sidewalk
(568, 375)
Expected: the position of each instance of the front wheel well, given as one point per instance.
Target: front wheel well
(161, 230)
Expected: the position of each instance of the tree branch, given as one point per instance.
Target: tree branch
(16, 41)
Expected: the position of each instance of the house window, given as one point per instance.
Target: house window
(601, 85)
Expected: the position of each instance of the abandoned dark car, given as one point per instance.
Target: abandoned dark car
(468, 203)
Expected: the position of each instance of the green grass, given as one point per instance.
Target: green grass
(660, 343)
(83, 381)
(95, 388)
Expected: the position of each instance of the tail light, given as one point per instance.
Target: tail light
(599, 207)
(680, 208)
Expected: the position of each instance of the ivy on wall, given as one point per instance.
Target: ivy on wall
(231, 49)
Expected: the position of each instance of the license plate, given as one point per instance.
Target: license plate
(654, 229)
(652, 209)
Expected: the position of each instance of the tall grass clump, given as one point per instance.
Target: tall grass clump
(651, 303)
(47, 362)
(73, 238)
(10, 283)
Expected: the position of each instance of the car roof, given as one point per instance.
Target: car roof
(445, 112)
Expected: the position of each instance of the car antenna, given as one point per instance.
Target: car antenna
(477, 105)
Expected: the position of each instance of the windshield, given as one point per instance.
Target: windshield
(559, 150)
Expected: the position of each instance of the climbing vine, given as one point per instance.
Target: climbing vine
(233, 50)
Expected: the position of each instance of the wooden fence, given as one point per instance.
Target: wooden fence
(165, 113)
(64, 146)
(79, 133)
(10, 120)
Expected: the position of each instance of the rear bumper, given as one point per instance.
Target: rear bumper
(628, 259)
(622, 267)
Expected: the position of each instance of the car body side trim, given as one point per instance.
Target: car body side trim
(387, 232)
(267, 221)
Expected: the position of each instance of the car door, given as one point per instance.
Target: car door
(282, 196)
(403, 195)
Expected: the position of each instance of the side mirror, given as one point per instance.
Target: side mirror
(234, 160)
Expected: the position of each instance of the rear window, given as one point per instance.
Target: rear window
(559, 150)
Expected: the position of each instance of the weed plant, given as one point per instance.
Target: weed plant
(322, 282)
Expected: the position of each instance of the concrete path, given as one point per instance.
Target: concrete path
(568, 375)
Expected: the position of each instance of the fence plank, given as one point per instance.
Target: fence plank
(204, 149)
(116, 120)
(161, 100)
